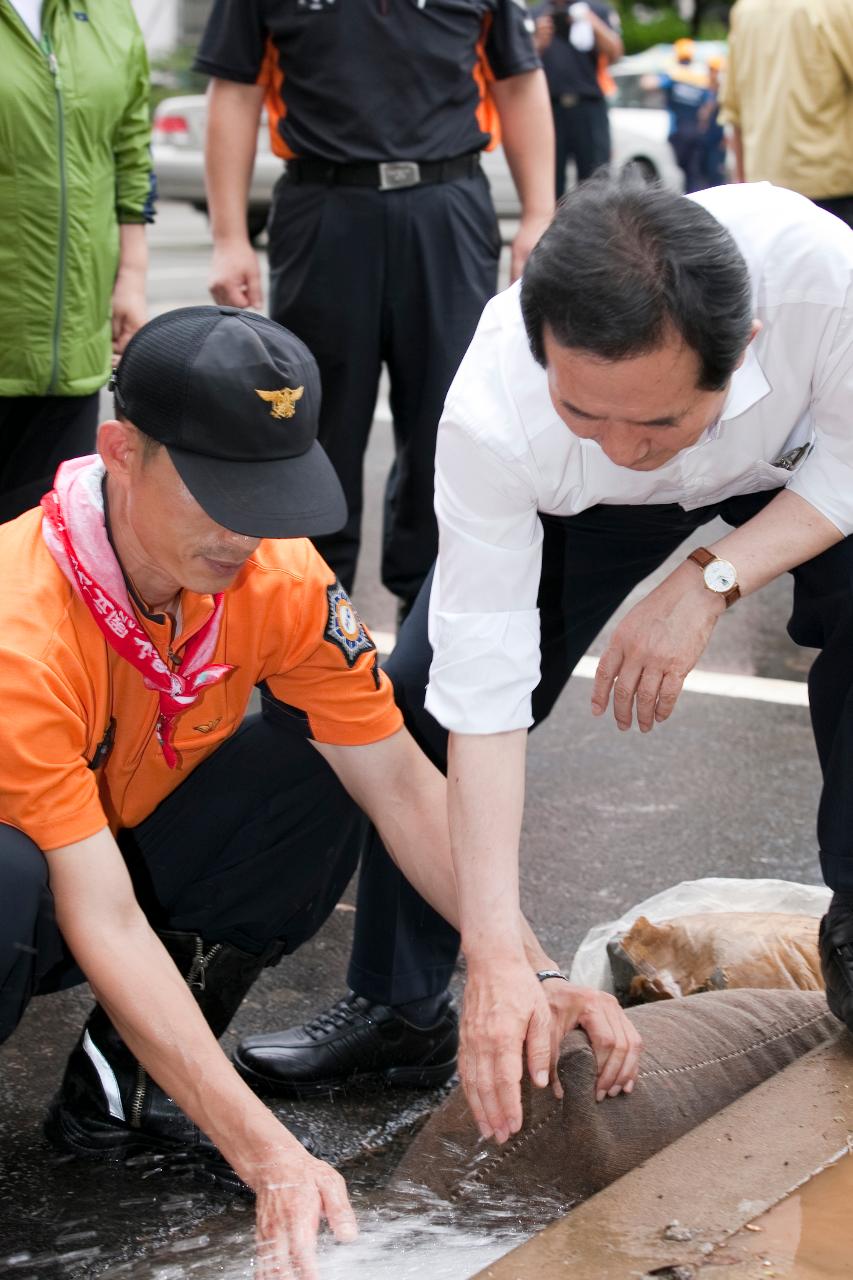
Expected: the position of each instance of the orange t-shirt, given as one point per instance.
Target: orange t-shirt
(285, 622)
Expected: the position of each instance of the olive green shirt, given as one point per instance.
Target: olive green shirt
(789, 90)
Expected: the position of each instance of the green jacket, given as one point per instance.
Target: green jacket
(74, 163)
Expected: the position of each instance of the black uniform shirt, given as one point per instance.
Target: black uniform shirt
(351, 80)
(570, 70)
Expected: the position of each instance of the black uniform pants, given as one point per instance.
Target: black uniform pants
(36, 434)
(582, 134)
(402, 950)
(366, 278)
(688, 143)
(257, 845)
(841, 206)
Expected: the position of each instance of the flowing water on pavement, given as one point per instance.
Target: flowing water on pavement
(404, 1235)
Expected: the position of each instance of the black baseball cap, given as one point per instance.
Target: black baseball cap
(235, 398)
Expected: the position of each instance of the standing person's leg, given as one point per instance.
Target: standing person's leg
(442, 268)
(327, 253)
(36, 434)
(687, 144)
(840, 206)
(403, 953)
(591, 134)
(563, 143)
(822, 618)
(240, 865)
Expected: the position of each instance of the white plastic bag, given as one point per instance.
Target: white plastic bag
(591, 966)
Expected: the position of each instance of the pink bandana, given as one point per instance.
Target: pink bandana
(75, 533)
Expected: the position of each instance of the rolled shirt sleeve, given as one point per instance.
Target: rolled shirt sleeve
(825, 480)
(484, 621)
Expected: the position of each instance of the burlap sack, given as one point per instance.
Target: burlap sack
(715, 952)
(700, 1054)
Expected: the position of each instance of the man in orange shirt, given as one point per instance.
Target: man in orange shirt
(150, 832)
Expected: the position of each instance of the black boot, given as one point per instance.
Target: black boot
(109, 1106)
(836, 957)
(354, 1042)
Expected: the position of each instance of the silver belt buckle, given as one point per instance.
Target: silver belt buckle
(395, 174)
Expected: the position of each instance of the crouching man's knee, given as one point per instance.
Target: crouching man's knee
(29, 940)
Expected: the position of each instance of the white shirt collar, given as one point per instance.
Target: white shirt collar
(747, 387)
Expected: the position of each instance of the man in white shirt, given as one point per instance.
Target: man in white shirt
(665, 361)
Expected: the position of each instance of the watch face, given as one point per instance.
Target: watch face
(720, 576)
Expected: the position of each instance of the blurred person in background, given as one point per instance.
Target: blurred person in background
(789, 97)
(577, 43)
(713, 133)
(383, 240)
(76, 192)
(687, 96)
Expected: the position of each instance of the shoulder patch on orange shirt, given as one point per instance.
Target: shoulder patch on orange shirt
(344, 628)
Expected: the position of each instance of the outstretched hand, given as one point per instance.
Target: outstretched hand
(653, 648)
(511, 1020)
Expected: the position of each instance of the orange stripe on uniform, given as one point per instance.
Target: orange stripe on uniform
(487, 113)
(271, 77)
(606, 83)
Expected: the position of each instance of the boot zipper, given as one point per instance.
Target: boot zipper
(138, 1099)
(195, 978)
(198, 969)
(53, 67)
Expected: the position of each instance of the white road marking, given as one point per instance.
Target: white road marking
(792, 693)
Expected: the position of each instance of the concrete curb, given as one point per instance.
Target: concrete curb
(712, 1181)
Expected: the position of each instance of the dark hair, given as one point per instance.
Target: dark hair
(622, 262)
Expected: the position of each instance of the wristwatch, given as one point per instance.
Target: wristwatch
(720, 575)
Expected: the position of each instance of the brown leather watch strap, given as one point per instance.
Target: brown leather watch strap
(703, 557)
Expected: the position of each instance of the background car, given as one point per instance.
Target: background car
(177, 149)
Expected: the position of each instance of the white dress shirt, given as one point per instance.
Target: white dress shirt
(504, 455)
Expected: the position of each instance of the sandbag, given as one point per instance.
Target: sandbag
(700, 1055)
(715, 952)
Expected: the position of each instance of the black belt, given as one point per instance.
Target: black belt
(388, 175)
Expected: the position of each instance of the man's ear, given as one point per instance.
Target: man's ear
(120, 447)
(757, 326)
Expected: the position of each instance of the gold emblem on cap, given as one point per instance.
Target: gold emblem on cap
(283, 402)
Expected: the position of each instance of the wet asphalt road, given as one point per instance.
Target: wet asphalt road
(729, 787)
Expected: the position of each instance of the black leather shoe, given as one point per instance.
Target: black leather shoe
(355, 1042)
(835, 941)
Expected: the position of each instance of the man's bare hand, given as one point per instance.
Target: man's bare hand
(615, 1041)
(235, 277)
(295, 1192)
(510, 1018)
(653, 649)
(544, 33)
(529, 232)
(128, 308)
(505, 1018)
